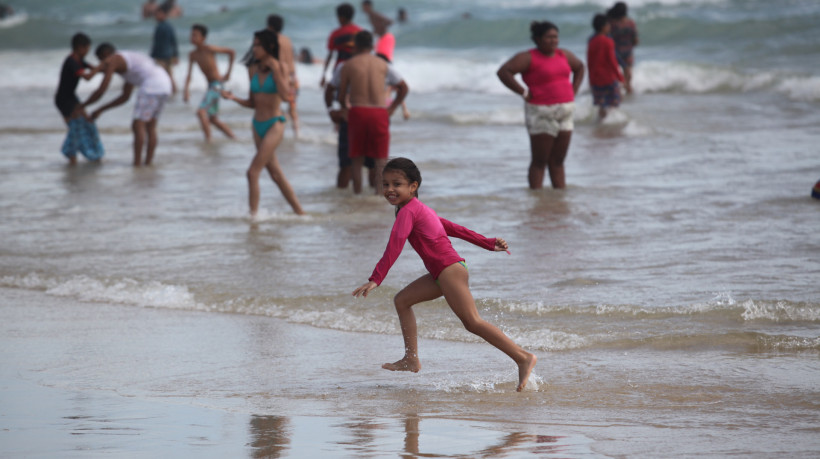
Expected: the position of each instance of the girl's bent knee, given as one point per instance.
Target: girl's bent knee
(473, 325)
(400, 303)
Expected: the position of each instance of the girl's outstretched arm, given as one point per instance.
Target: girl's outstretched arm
(365, 289)
(466, 234)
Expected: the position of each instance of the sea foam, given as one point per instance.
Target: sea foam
(118, 291)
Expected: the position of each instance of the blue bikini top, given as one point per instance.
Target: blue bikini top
(268, 87)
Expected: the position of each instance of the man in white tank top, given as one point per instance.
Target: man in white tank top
(137, 69)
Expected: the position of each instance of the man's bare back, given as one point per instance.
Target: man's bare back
(286, 54)
(364, 75)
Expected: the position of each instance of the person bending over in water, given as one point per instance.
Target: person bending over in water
(138, 70)
(428, 235)
(268, 85)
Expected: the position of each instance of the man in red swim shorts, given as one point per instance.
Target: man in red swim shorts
(361, 93)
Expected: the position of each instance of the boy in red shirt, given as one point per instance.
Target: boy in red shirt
(341, 39)
(604, 72)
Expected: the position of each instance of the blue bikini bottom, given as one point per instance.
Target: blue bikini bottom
(262, 127)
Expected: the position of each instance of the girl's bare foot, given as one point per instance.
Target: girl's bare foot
(524, 370)
(405, 364)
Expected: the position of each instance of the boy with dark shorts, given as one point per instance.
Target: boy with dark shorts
(164, 48)
(340, 40)
(625, 35)
(604, 72)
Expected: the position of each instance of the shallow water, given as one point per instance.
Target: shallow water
(90, 379)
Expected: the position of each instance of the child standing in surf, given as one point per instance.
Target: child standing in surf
(428, 235)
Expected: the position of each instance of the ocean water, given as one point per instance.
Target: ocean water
(685, 246)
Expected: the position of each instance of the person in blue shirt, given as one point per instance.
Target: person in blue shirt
(164, 49)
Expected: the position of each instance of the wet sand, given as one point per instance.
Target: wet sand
(90, 379)
(93, 379)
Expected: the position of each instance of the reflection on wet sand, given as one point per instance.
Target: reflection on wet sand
(270, 434)
(412, 437)
(363, 433)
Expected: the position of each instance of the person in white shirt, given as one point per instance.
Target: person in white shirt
(137, 69)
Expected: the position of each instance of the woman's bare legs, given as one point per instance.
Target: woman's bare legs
(266, 159)
(420, 290)
(275, 171)
(555, 163)
(454, 282)
(540, 147)
(548, 152)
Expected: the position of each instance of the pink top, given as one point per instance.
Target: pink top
(428, 235)
(386, 45)
(548, 78)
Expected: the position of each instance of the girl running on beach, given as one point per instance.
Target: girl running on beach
(268, 85)
(428, 235)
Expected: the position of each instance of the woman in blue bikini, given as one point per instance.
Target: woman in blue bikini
(268, 86)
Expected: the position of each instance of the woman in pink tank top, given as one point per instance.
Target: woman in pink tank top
(549, 100)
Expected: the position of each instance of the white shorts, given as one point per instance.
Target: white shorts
(149, 106)
(549, 119)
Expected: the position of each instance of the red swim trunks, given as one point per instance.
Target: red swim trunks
(368, 132)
